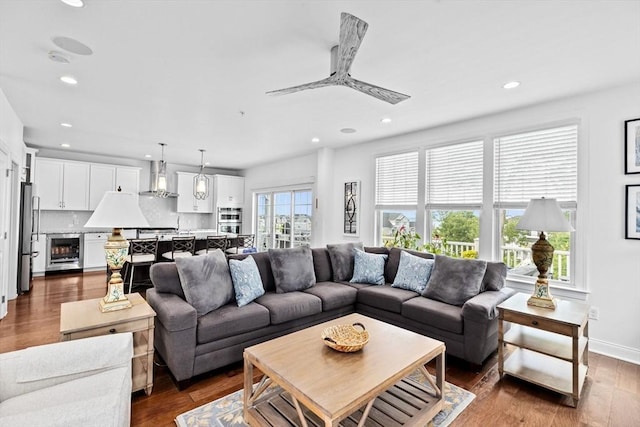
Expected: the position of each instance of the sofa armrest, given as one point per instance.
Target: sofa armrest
(175, 313)
(35, 368)
(483, 307)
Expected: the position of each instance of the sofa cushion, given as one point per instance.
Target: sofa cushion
(455, 280)
(231, 320)
(385, 297)
(393, 262)
(413, 272)
(342, 258)
(247, 284)
(206, 281)
(495, 277)
(434, 313)
(333, 295)
(368, 268)
(165, 278)
(290, 305)
(322, 264)
(292, 268)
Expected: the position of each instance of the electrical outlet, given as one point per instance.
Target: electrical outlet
(594, 313)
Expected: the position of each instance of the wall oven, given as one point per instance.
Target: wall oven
(229, 220)
(64, 252)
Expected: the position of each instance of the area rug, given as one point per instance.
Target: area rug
(227, 411)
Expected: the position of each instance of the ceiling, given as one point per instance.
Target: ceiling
(193, 74)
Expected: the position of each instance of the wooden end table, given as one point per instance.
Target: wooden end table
(82, 319)
(334, 386)
(552, 346)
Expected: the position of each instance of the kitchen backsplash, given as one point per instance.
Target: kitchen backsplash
(159, 213)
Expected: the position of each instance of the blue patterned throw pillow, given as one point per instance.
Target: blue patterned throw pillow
(368, 268)
(413, 272)
(246, 280)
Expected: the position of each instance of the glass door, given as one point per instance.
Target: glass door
(283, 219)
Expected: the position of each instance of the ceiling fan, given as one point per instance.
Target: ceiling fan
(352, 31)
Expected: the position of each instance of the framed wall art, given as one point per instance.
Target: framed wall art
(632, 215)
(632, 146)
(351, 209)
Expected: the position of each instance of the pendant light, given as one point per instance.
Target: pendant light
(160, 189)
(201, 181)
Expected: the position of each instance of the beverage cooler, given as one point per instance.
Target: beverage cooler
(229, 220)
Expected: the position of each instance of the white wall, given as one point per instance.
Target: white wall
(11, 145)
(608, 265)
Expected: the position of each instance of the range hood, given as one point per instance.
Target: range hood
(154, 170)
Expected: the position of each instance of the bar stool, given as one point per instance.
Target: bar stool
(183, 246)
(244, 241)
(142, 252)
(214, 242)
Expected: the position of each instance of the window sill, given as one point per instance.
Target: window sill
(558, 291)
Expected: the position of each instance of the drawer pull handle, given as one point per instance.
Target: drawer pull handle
(112, 331)
(535, 322)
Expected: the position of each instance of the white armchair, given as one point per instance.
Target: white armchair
(84, 382)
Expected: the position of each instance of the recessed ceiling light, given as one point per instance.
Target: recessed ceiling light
(73, 3)
(315, 140)
(66, 125)
(148, 156)
(511, 85)
(69, 80)
(65, 145)
(385, 120)
(348, 130)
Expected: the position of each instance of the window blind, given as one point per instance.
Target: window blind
(536, 164)
(454, 174)
(397, 179)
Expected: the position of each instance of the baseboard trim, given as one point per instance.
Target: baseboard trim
(628, 354)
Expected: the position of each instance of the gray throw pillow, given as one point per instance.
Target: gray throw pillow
(495, 277)
(292, 268)
(206, 281)
(342, 259)
(246, 280)
(455, 280)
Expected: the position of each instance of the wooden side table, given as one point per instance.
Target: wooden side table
(82, 319)
(552, 346)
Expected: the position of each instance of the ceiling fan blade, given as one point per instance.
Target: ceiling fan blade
(313, 85)
(352, 31)
(377, 92)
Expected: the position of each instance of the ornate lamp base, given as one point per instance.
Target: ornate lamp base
(116, 250)
(542, 296)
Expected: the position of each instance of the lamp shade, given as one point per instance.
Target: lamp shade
(117, 210)
(544, 215)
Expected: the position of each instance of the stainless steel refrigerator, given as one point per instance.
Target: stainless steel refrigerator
(29, 229)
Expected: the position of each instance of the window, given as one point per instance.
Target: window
(530, 165)
(454, 198)
(283, 219)
(396, 195)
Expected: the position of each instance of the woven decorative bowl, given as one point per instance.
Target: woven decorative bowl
(345, 338)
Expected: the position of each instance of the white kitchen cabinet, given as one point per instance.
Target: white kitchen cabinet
(103, 179)
(39, 262)
(62, 185)
(94, 256)
(108, 178)
(128, 179)
(187, 203)
(228, 191)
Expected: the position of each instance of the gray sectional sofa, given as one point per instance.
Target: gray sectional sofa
(192, 343)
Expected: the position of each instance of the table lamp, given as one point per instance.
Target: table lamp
(543, 214)
(116, 210)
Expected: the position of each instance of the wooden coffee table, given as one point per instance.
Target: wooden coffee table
(334, 386)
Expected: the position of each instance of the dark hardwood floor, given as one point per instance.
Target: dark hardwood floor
(611, 395)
